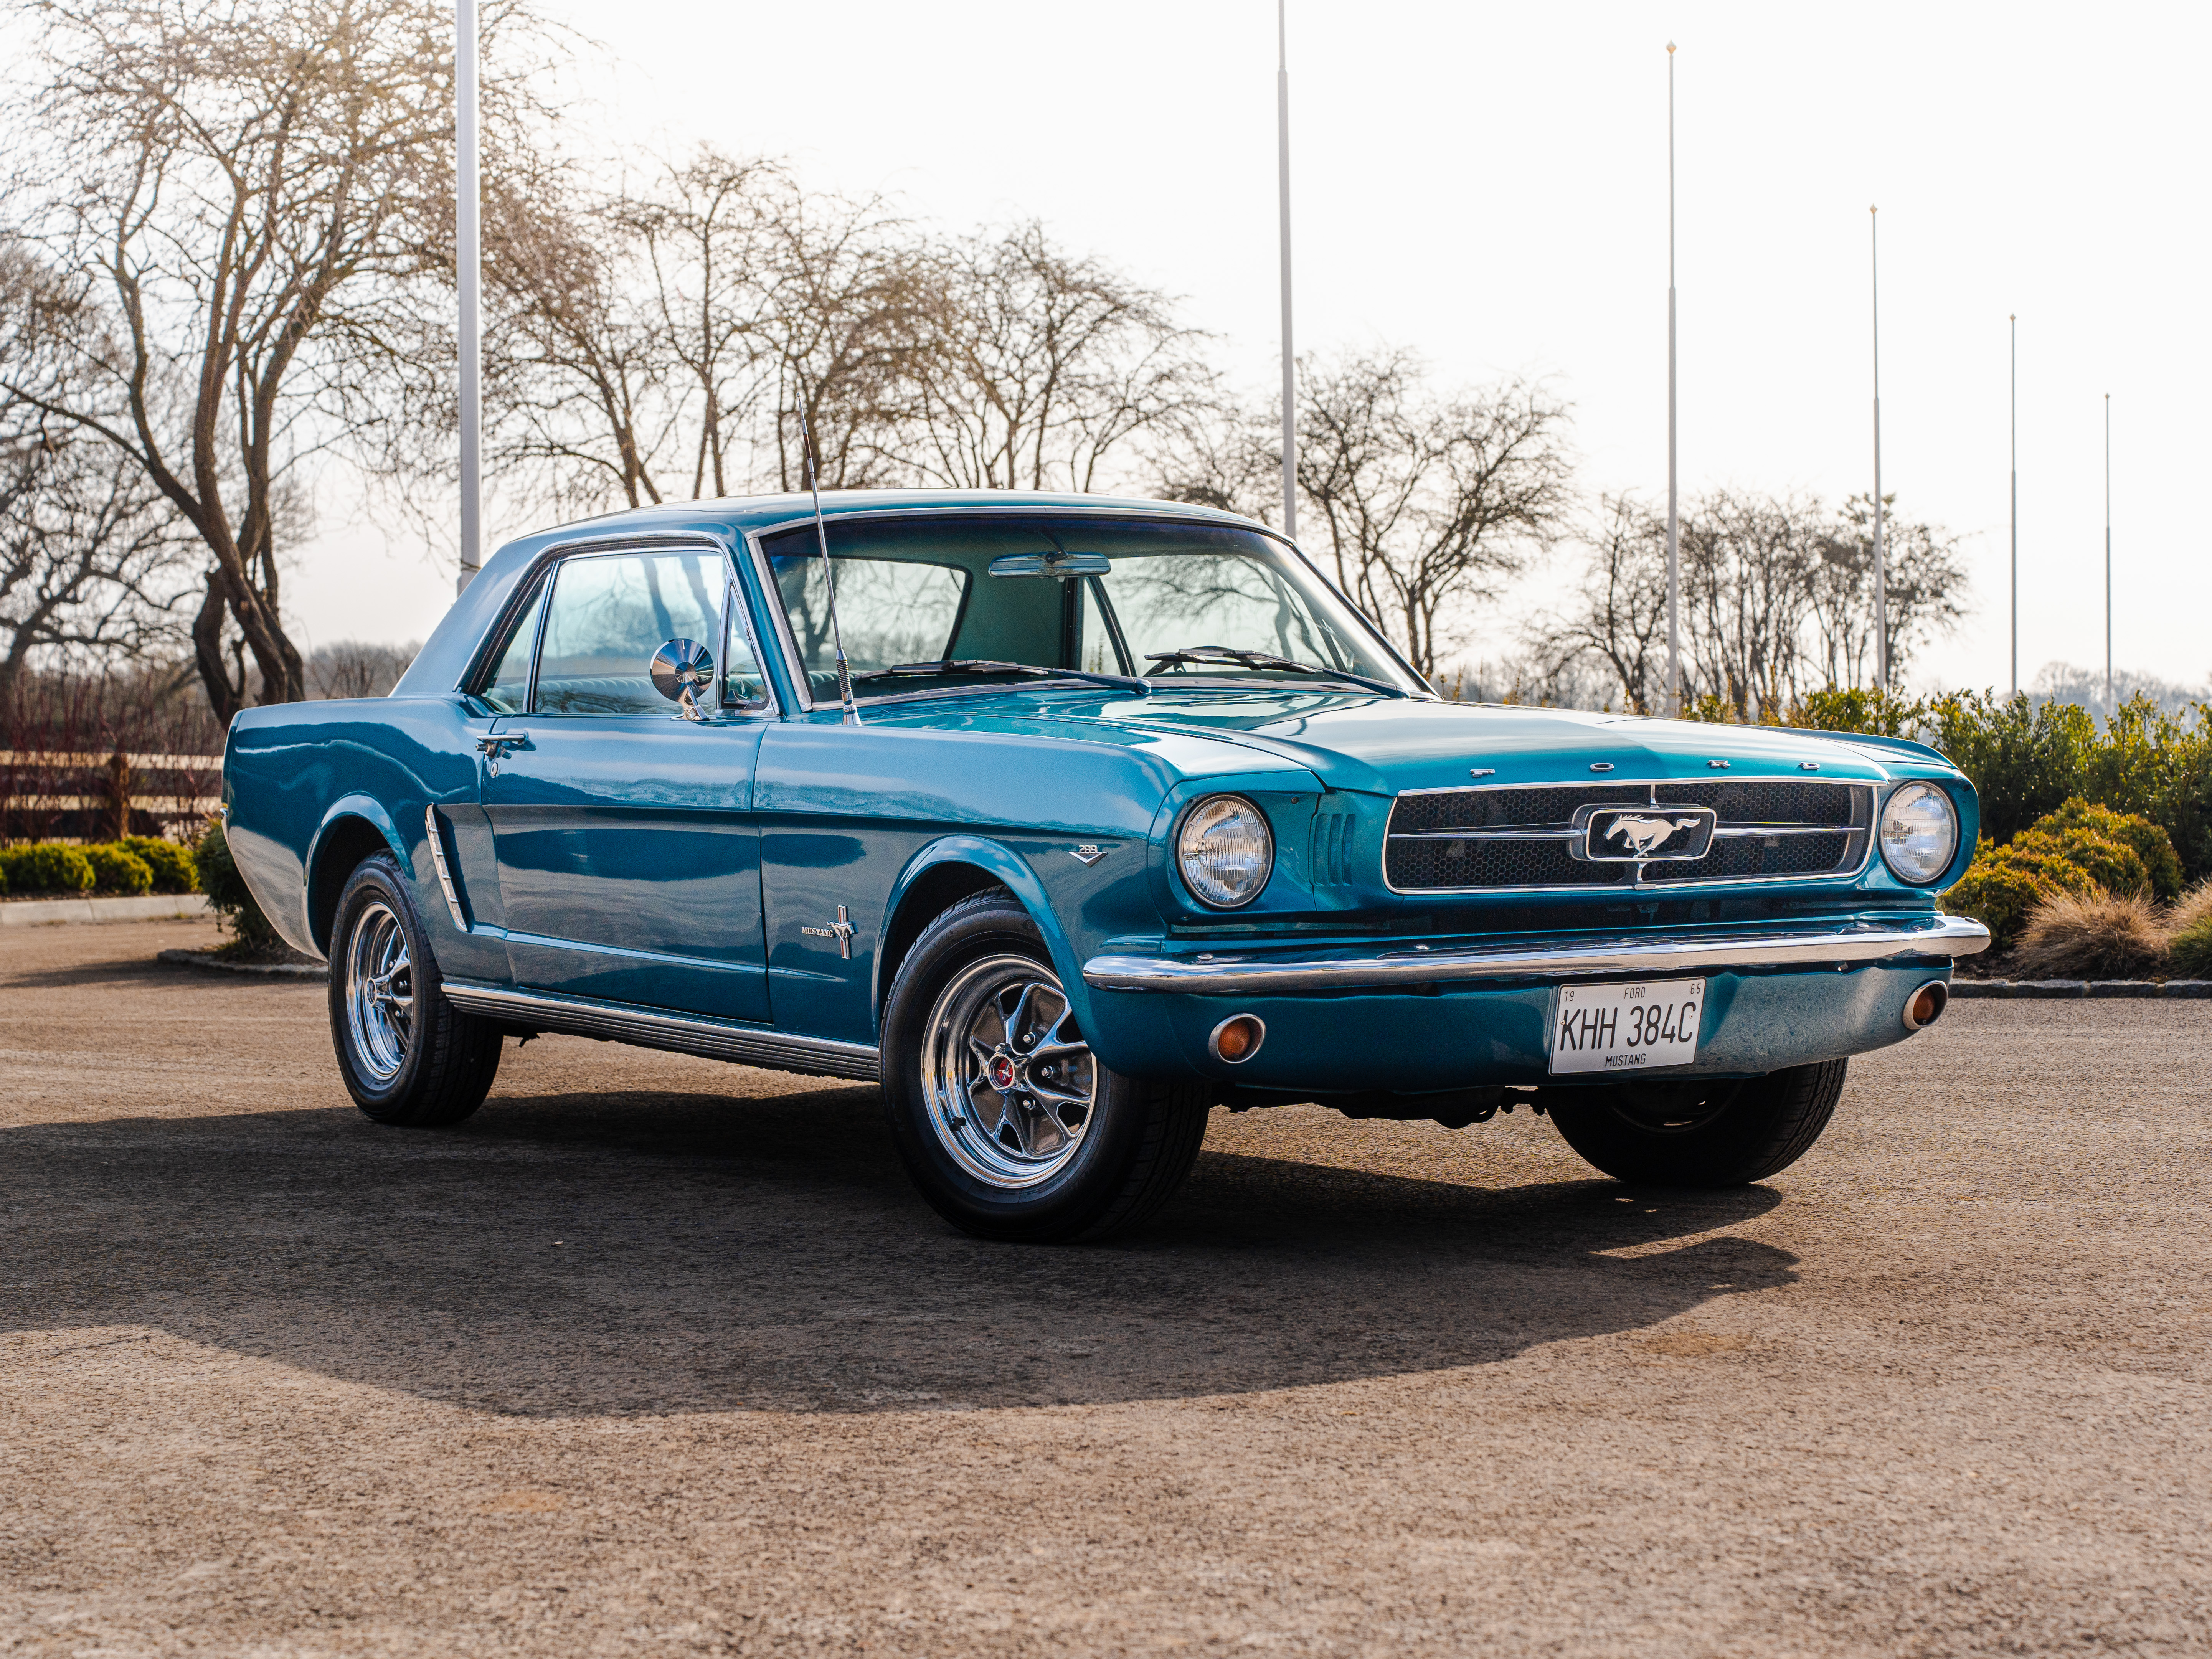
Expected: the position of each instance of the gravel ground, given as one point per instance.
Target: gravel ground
(660, 1356)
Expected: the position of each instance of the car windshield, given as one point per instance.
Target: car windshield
(926, 604)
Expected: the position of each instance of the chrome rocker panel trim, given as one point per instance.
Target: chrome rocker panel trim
(648, 1028)
(1661, 953)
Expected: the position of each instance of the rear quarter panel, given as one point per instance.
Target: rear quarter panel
(293, 773)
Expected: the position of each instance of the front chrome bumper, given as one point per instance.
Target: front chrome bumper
(1240, 974)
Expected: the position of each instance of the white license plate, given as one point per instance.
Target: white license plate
(1626, 1028)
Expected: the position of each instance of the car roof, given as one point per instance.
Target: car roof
(745, 515)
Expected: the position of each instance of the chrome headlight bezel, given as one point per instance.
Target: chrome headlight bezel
(1912, 795)
(1198, 875)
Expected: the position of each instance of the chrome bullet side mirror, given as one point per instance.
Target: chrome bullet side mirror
(680, 670)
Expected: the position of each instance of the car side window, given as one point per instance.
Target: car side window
(508, 689)
(610, 612)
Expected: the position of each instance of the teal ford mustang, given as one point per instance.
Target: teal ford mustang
(1128, 815)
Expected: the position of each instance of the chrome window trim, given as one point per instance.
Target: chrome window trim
(652, 1028)
(647, 541)
(1421, 690)
(546, 568)
(1633, 955)
(1718, 884)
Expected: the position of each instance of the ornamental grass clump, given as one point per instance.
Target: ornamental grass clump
(2189, 926)
(2004, 884)
(2099, 935)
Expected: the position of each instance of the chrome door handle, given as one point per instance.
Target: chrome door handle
(497, 746)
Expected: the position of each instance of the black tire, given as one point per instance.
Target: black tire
(1701, 1134)
(442, 1064)
(1123, 1153)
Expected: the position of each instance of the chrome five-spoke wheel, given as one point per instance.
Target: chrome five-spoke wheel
(379, 991)
(1009, 1080)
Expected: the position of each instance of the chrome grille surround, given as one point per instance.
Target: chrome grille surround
(1509, 838)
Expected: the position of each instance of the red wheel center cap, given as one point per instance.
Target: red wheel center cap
(1002, 1072)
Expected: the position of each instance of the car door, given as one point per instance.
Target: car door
(628, 860)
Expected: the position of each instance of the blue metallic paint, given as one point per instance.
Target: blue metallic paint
(1010, 783)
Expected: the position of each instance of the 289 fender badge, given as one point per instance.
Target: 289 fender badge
(1087, 854)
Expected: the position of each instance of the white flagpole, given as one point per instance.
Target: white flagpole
(2112, 706)
(1673, 522)
(2014, 321)
(1290, 361)
(1881, 575)
(468, 255)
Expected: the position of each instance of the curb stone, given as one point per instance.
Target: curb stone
(208, 962)
(1972, 989)
(146, 907)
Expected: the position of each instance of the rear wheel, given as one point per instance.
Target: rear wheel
(407, 1054)
(1008, 1122)
(1700, 1133)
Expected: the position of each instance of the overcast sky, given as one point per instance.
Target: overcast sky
(1487, 185)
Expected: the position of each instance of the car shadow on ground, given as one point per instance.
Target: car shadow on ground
(596, 1254)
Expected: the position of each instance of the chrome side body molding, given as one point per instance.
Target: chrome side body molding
(1584, 958)
(648, 1028)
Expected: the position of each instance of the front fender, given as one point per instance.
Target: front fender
(1007, 867)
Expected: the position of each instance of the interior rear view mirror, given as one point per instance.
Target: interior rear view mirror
(1051, 564)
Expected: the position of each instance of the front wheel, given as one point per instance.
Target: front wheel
(1697, 1132)
(407, 1054)
(1008, 1122)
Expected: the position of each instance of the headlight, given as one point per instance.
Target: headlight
(1919, 833)
(1225, 851)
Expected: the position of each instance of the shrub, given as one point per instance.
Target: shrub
(2107, 863)
(115, 869)
(2024, 760)
(1877, 713)
(227, 890)
(171, 865)
(2130, 829)
(2004, 884)
(2098, 935)
(46, 867)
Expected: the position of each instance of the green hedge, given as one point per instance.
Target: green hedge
(118, 870)
(46, 867)
(171, 863)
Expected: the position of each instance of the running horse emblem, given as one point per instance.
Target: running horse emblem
(1643, 836)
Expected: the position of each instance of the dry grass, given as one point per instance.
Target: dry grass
(2101, 936)
(2191, 908)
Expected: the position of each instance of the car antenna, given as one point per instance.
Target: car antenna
(828, 578)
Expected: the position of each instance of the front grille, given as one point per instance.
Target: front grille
(1788, 827)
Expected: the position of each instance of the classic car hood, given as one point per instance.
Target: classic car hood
(1385, 746)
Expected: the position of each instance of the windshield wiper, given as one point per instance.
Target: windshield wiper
(984, 666)
(1205, 653)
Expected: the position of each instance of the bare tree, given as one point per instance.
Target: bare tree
(255, 190)
(1043, 365)
(1924, 582)
(351, 668)
(1776, 599)
(1428, 504)
(1619, 615)
(93, 565)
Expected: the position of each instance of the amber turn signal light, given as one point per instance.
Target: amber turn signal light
(1237, 1038)
(1926, 1005)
